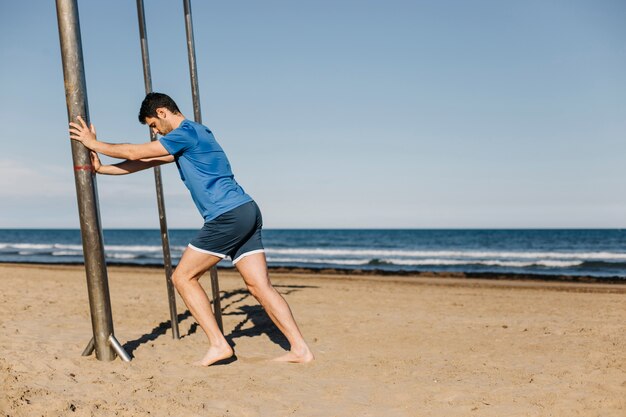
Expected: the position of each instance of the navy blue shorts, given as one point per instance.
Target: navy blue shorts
(236, 233)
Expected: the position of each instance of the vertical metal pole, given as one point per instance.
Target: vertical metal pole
(193, 69)
(86, 193)
(165, 239)
(195, 93)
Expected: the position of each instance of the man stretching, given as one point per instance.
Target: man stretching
(232, 219)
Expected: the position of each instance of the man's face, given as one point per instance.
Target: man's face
(160, 124)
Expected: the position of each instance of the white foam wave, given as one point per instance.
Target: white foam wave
(375, 253)
(352, 257)
(134, 248)
(319, 261)
(36, 246)
(358, 253)
(141, 248)
(453, 262)
(71, 247)
(67, 247)
(121, 256)
(426, 262)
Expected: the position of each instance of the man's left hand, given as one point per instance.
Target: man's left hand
(82, 133)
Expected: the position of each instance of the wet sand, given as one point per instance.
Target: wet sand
(385, 346)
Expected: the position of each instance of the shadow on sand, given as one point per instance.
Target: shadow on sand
(251, 312)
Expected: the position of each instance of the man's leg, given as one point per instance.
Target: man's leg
(191, 267)
(253, 269)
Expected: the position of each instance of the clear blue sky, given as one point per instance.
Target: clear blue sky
(356, 114)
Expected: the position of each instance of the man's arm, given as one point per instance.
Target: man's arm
(128, 166)
(133, 152)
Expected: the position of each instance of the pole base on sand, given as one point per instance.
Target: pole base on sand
(91, 346)
(117, 347)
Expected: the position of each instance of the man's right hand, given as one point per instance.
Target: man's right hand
(83, 133)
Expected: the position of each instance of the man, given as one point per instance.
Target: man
(232, 219)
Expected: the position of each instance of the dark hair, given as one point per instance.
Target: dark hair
(154, 101)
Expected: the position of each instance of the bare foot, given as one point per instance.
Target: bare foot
(297, 356)
(215, 354)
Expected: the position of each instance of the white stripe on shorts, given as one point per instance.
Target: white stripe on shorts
(252, 252)
(219, 255)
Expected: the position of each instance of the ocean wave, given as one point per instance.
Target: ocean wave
(36, 246)
(134, 248)
(508, 264)
(59, 248)
(426, 262)
(122, 256)
(604, 265)
(116, 248)
(381, 253)
(343, 252)
(67, 247)
(355, 257)
(66, 253)
(319, 261)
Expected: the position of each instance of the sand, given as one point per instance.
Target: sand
(385, 346)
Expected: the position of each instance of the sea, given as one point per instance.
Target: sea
(599, 253)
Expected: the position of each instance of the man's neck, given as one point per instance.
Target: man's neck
(177, 119)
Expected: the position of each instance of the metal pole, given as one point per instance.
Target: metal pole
(193, 69)
(91, 346)
(86, 193)
(195, 93)
(117, 347)
(165, 239)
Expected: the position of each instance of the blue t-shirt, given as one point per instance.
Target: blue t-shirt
(204, 168)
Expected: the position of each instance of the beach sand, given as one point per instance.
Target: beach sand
(385, 346)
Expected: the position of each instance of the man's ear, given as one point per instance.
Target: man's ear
(161, 113)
